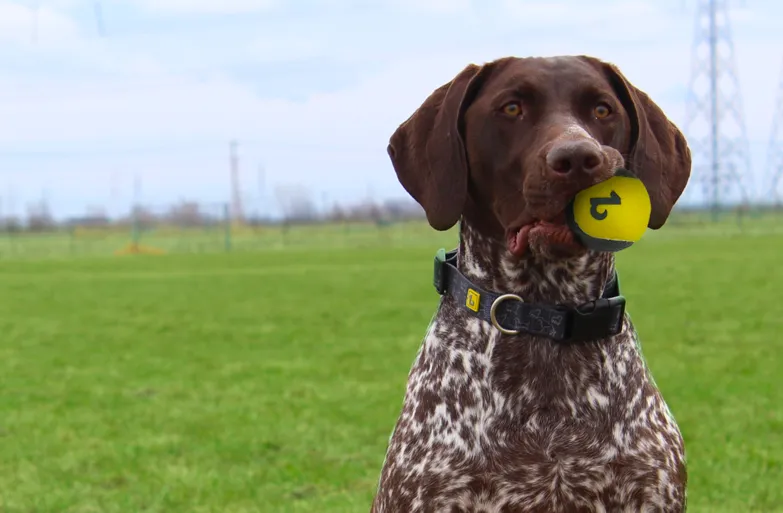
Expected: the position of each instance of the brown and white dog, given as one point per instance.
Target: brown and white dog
(493, 422)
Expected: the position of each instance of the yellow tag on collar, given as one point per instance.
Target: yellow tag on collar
(610, 215)
(472, 300)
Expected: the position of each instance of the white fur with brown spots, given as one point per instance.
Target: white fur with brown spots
(498, 423)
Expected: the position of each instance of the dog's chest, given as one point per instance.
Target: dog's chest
(525, 427)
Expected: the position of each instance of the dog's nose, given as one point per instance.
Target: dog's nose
(574, 157)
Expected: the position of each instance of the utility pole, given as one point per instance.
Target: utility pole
(99, 19)
(136, 190)
(236, 197)
(775, 152)
(11, 201)
(136, 214)
(261, 191)
(324, 204)
(714, 121)
(114, 193)
(34, 34)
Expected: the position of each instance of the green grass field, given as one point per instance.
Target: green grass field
(270, 381)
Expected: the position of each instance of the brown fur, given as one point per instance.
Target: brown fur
(501, 423)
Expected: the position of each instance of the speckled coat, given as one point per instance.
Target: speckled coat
(496, 423)
(516, 423)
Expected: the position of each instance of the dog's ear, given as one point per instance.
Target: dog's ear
(658, 152)
(427, 151)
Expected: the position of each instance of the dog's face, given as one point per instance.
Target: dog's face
(538, 132)
(509, 144)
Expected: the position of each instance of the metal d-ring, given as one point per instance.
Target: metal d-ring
(493, 310)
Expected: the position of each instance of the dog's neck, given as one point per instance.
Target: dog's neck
(542, 370)
(487, 262)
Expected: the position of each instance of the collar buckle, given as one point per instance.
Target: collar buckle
(597, 319)
(439, 279)
(439, 276)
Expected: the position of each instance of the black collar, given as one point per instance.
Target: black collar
(597, 319)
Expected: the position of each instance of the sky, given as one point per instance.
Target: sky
(142, 99)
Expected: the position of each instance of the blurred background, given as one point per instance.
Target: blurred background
(254, 357)
(133, 119)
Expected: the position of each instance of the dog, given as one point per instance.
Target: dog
(521, 398)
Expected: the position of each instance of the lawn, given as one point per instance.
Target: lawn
(269, 381)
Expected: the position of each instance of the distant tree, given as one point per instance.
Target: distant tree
(188, 214)
(145, 217)
(336, 214)
(39, 217)
(403, 209)
(11, 224)
(94, 216)
(296, 203)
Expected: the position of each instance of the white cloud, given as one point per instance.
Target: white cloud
(284, 47)
(205, 6)
(332, 141)
(433, 6)
(160, 105)
(141, 96)
(618, 20)
(25, 25)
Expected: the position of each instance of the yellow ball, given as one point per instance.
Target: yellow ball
(610, 215)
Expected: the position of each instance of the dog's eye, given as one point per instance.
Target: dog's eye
(602, 110)
(513, 109)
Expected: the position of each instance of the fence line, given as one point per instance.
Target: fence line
(216, 232)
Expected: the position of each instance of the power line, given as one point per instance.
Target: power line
(34, 34)
(98, 10)
(236, 192)
(775, 152)
(137, 189)
(189, 148)
(261, 189)
(715, 119)
(139, 150)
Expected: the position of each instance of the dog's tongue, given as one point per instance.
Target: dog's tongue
(517, 241)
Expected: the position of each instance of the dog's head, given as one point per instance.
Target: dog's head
(508, 144)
